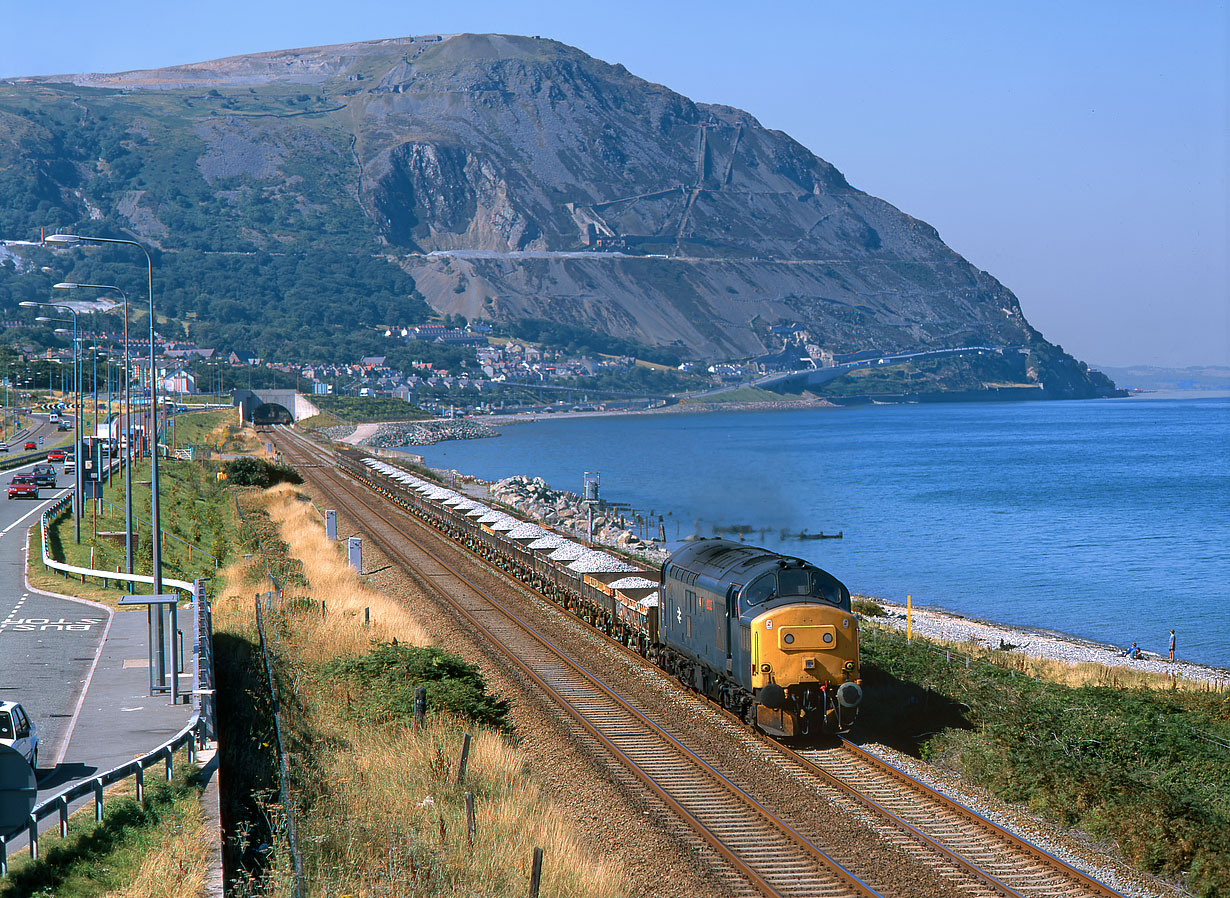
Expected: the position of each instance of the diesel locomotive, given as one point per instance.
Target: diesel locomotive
(768, 636)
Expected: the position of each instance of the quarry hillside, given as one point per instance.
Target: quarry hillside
(299, 198)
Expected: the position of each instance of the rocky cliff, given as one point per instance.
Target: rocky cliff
(508, 177)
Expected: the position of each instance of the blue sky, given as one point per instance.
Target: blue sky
(1077, 151)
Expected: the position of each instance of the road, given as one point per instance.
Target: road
(47, 644)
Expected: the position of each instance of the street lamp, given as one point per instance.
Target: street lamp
(77, 509)
(127, 414)
(58, 240)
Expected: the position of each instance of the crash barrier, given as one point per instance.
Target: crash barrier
(53, 513)
(191, 736)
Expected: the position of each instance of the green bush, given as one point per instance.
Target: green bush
(390, 674)
(1140, 767)
(868, 608)
(249, 471)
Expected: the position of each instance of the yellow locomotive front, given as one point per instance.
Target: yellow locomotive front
(804, 669)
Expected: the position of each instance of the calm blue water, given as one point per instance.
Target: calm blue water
(1109, 520)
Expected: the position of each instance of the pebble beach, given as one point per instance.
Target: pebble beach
(932, 623)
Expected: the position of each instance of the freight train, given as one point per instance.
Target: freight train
(770, 637)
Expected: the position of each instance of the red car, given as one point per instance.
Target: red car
(23, 486)
(30, 444)
(55, 455)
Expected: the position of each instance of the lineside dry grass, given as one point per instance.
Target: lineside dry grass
(380, 811)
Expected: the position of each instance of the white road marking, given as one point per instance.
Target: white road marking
(35, 510)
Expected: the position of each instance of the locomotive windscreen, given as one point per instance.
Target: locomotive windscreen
(792, 582)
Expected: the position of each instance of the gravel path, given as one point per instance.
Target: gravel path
(930, 623)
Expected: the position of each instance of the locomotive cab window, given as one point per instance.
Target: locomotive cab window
(825, 588)
(794, 582)
(760, 589)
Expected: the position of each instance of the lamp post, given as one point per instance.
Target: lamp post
(77, 510)
(155, 512)
(126, 411)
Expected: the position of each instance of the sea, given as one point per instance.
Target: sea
(1107, 520)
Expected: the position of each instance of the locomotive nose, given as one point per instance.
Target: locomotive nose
(849, 695)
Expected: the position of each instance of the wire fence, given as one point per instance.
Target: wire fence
(285, 794)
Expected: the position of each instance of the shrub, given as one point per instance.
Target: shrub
(391, 673)
(868, 608)
(249, 471)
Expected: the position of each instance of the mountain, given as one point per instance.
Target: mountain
(295, 198)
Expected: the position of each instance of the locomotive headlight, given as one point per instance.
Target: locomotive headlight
(828, 638)
(788, 639)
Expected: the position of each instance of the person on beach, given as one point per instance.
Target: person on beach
(1171, 643)
(1134, 652)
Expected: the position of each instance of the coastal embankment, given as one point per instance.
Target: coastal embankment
(409, 433)
(564, 511)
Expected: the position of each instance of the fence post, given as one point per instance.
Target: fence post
(140, 783)
(470, 818)
(420, 707)
(536, 872)
(4, 858)
(63, 803)
(32, 829)
(170, 762)
(465, 758)
(98, 800)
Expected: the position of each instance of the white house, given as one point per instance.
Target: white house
(179, 382)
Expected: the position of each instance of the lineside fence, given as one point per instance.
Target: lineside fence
(201, 729)
(285, 794)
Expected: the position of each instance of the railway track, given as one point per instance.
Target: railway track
(1002, 861)
(974, 855)
(768, 853)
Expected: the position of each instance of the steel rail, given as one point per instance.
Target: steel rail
(955, 828)
(738, 827)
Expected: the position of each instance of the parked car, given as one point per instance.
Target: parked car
(44, 475)
(23, 486)
(18, 731)
(30, 444)
(55, 455)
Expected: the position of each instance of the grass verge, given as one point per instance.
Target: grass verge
(378, 805)
(1140, 767)
(195, 507)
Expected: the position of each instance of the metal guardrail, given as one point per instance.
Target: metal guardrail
(192, 736)
(201, 728)
(58, 508)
